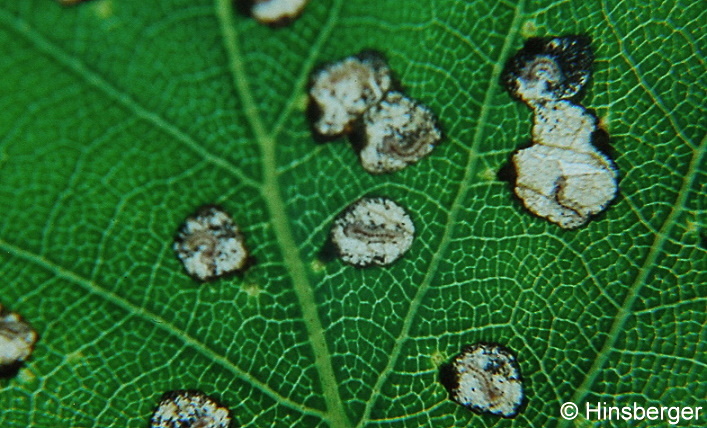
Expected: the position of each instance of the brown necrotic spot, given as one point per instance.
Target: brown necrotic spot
(549, 68)
(342, 91)
(372, 231)
(210, 245)
(17, 341)
(397, 132)
(189, 409)
(485, 378)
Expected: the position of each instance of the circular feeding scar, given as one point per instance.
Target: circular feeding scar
(277, 12)
(486, 379)
(210, 245)
(189, 409)
(17, 339)
(342, 91)
(397, 132)
(372, 231)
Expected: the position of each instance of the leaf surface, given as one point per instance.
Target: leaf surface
(119, 118)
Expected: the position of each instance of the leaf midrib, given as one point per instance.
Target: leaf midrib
(335, 415)
(269, 188)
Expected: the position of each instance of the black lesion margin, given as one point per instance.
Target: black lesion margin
(508, 174)
(10, 370)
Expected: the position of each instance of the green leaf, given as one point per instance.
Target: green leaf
(119, 118)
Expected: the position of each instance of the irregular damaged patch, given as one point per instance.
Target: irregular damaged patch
(210, 245)
(189, 409)
(372, 231)
(486, 379)
(277, 12)
(17, 339)
(342, 91)
(562, 177)
(550, 68)
(397, 132)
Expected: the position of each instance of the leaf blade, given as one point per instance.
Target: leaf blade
(88, 115)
